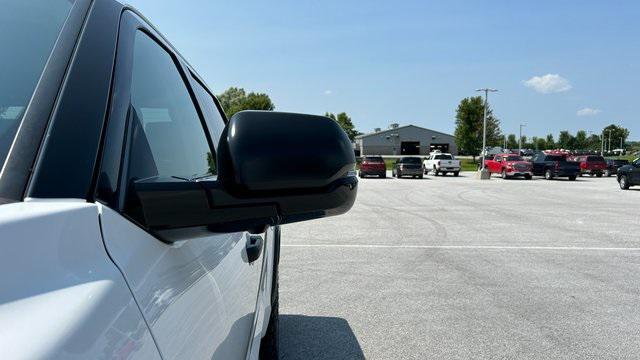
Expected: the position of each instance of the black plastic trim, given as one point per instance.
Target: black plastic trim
(65, 167)
(276, 261)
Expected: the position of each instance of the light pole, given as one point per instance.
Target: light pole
(602, 144)
(505, 142)
(609, 147)
(484, 122)
(621, 146)
(520, 140)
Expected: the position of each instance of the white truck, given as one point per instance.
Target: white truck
(441, 163)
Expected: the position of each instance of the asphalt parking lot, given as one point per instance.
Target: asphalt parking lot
(456, 268)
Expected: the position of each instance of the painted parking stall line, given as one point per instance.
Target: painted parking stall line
(466, 247)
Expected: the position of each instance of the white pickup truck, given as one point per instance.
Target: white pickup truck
(441, 163)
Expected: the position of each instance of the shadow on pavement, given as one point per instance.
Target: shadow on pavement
(317, 337)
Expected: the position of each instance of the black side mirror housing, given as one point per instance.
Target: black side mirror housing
(273, 168)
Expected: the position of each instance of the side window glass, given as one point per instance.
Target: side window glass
(214, 120)
(167, 136)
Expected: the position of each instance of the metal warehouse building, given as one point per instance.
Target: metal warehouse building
(405, 140)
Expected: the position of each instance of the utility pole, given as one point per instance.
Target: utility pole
(520, 140)
(484, 122)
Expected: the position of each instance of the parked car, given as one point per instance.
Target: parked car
(629, 175)
(554, 165)
(613, 165)
(591, 165)
(527, 152)
(441, 163)
(138, 221)
(373, 165)
(407, 166)
(491, 151)
(509, 165)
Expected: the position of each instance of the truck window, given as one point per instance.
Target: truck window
(595, 159)
(443, 157)
(555, 158)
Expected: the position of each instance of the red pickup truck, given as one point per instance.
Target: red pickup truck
(509, 165)
(591, 164)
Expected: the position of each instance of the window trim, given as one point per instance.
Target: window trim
(196, 78)
(117, 138)
(196, 81)
(16, 172)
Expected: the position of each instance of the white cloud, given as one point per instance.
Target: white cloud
(549, 83)
(588, 112)
(328, 92)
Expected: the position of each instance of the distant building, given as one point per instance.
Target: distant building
(405, 140)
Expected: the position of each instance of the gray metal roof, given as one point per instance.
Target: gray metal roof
(396, 129)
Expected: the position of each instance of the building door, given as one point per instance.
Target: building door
(442, 147)
(410, 148)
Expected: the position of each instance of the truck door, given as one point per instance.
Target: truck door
(198, 294)
(495, 164)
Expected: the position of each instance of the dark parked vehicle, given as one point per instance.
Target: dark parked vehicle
(551, 166)
(408, 166)
(591, 165)
(614, 165)
(629, 175)
(373, 165)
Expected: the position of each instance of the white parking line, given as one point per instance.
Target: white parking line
(464, 247)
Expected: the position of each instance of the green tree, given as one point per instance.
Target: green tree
(541, 144)
(512, 141)
(345, 123)
(581, 140)
(236, 99)
(618, 135)
(550, 143)
(469, 119)
(593, 142)
(564, 139)
(523, 142)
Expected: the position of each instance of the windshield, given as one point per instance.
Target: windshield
(373, 159)
(556, 158)
(410, 160)
(595, 159)
(443, 157)
(28, 31)
(514, 158)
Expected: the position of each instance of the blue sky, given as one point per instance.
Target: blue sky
(559, 65)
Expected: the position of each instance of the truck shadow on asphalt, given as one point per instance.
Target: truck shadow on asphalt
(317, 337)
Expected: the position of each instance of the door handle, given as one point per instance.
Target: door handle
(254, 247)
